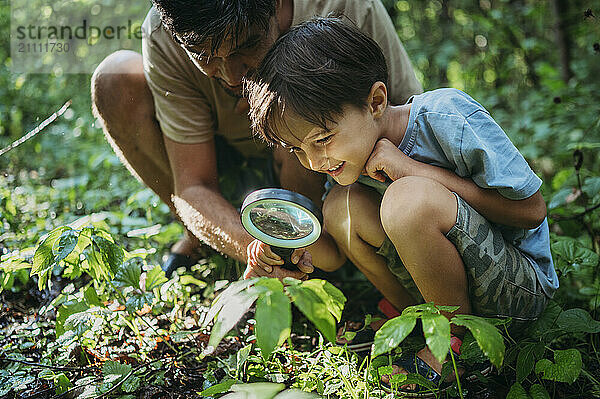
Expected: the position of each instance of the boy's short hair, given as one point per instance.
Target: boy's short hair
(198, 22)
(314, 70)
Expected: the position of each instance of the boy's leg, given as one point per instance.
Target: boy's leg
(416, 214)
(351, 216)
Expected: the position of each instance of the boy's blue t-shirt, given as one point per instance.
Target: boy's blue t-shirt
(449, 129)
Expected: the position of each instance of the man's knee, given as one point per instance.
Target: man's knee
(116, 82)
(412, 203)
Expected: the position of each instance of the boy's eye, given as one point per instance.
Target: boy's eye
(325, 140)
(294, 149)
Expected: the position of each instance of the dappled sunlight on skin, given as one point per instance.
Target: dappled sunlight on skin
(348, 219)
(203, 228)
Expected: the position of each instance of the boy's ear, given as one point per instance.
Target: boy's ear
(377, 100)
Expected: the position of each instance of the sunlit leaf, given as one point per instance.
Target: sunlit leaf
(234, 307)
(566, 367)
(273, 320)
(487, 336)
(314, 309)
(392, 333)
(155, 277)
(129, 273)
(436, 329)
(330, 295)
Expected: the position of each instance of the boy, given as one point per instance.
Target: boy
(433, 201)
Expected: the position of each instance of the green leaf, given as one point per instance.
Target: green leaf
(572, 254)
(137, 301)
(546, 322)
(314, 309)
(262, 390)
(131, 384)
(526, 359)
(591, 187)
(129, 273)
(225, 296)
(296, 394)
(187, 279)
(218, 388)
(487, 336)
(566, 367)
(578, 321)
(560, 198)
(112, 367)
(80, 322)
(232, 311)
(91, 296)
(517, 392)
(66, 310)
(330, 295)
(241, 356)
(273, 320)
(111, 253)
(436, 329)
(538, 391)
(65, 244)
(392, 333)
(155, 278)
(62, 384)
(43, 258)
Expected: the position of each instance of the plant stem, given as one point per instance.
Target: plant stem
(456, 374)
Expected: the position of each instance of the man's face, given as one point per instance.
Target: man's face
(341, 151)
(232, 61)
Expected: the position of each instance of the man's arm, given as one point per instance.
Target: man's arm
(526, 213)
(199, 202)
(201, 206)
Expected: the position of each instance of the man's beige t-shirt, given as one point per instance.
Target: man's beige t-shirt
(191, 107)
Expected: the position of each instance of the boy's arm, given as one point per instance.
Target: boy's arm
(527, 213)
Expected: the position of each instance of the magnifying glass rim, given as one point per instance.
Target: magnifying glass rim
(286, 197)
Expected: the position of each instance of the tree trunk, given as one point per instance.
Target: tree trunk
(560, 9)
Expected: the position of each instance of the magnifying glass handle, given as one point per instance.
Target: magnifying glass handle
(285, 254)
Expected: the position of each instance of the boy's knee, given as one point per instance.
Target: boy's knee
(114, 82)
(413, 203)
(346, 209)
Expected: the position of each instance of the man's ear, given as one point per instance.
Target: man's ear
(377, 100)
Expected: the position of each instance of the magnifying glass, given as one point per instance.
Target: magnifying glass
(283, 219)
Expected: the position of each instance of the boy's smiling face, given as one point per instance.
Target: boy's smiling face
(341, 151)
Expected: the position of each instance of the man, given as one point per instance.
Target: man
(166, 112)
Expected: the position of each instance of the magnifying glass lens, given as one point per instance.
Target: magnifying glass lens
(281, 221)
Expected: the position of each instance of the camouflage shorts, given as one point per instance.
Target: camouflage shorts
(501, 280)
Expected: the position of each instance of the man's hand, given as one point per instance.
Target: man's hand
(387, 160)
(262, 261)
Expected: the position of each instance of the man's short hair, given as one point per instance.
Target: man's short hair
(197, 22)
(314, 70)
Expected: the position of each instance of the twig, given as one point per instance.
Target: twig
(577, 215)
(38, 129)
(47, 366)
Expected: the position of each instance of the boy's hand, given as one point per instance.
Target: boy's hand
(387, 160)
(262, 261)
